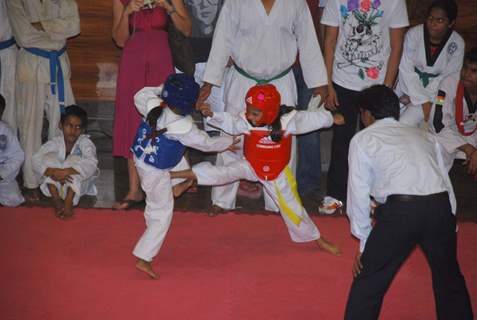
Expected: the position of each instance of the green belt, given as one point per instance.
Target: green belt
(262, 81)
(424, 76)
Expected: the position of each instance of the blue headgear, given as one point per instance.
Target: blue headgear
(181, 92)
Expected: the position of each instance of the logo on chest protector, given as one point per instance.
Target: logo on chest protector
(267, 143)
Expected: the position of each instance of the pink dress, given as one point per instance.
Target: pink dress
(146, 61)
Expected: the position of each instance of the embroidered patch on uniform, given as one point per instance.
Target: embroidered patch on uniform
(77, 152)
(3, 142)
(440, 99)
(452, 48)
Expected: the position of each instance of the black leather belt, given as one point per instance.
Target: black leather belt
(393, 198)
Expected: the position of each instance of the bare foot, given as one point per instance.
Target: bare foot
(128, 202)
(215, 210)
(180, 188)
(328, 246)
(59, 206)
(146, 267)
(68, 211)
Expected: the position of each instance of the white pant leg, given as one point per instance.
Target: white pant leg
(224, 196)
(182, 165)
(10, 194)
(8, 59)
(284, 192)
(31, 99)
(210, 175)
(158, 212)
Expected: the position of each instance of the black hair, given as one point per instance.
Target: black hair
(151, 120)
(277, 133)
(2, 105)
(471, 55)
(380, 101)
(448, 6)
(75, 111)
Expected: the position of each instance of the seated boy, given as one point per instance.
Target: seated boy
(67, 164)
(11, 160)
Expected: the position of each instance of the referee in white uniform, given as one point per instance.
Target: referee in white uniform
(402, 169)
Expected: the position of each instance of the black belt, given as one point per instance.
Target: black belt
(393, 198)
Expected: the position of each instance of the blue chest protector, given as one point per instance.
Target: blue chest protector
(162, 153)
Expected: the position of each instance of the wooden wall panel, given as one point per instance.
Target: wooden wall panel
(94, 56)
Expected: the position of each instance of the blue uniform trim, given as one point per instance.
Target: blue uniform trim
(162, 153)
(56, 73)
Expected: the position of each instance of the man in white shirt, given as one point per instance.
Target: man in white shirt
(402, 169)
(363, 45)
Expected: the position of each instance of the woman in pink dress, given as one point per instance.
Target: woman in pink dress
(140, 28)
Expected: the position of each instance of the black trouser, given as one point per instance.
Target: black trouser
(429, 223)
(338, 173)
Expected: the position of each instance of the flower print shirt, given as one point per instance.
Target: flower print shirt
(363, 44)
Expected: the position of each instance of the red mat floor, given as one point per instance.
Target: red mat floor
(227, 267)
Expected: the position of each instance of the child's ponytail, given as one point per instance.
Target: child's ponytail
(277, 132)
(151, 120)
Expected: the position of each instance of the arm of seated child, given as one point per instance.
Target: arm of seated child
(60, 175)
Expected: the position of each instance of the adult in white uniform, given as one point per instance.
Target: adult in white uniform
(8, 57)
(363, 45)
(153, 159)
(262, 38)
(11, 160)
(432, 51)
(402, 169)
(41, 29)
(266, 155)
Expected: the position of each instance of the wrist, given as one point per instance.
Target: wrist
(471, 154)
(171, 10)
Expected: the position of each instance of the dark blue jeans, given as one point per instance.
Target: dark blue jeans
(308, 171)
(337, 181)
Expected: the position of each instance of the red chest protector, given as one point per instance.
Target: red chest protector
(268, 158)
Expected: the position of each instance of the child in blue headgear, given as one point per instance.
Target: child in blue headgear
(159, 147)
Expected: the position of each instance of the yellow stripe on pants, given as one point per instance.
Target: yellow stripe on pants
(296, 219)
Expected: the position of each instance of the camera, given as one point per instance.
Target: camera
(148, 4)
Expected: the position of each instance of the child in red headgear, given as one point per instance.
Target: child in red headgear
(267, 128)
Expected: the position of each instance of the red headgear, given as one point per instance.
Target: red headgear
(266, 98)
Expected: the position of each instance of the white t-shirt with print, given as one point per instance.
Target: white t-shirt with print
(363, 45)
